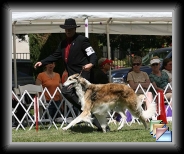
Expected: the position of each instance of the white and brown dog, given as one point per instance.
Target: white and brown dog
(101, 98)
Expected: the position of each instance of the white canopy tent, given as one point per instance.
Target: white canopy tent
(132, 23)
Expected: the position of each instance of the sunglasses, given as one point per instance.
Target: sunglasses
(136, 64)
(155, 64)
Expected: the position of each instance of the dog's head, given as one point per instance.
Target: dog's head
(73, 81)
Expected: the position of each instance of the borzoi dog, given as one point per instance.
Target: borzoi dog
(101, 98)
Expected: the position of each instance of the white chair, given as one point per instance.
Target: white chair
(31, 92)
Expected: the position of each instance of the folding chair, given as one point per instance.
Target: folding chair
(31, 92)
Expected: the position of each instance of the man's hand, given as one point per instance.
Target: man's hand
(87, 67)
(38, 64)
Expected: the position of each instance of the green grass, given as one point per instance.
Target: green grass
(84, 133)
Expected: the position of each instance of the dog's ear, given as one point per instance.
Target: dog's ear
(78, 75)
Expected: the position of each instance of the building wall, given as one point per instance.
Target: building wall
(22, 48)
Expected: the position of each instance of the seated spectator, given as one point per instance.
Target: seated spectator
(101, 73)
(136, 77)
(159, 78)
(50, 80)
(167, 67)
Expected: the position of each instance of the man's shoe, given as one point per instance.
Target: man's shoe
(97, 124)
(107, 129)
(99, 130)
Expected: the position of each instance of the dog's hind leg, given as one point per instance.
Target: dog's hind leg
(123, 119)
(143, 120)
(84, 116)
(137, 113)
(102, 120)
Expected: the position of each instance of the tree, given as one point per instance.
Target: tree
(137, 44)
(41, 46)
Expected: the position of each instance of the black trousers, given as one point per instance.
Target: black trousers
(71, 96)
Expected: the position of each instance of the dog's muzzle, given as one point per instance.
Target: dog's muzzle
(68, 87)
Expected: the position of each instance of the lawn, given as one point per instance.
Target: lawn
(83, 133)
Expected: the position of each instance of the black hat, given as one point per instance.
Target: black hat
(69, 23)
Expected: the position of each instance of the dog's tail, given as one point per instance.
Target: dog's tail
(150, 111)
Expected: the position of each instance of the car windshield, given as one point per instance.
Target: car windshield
(162, 53)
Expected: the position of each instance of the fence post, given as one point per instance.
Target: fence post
(161, 106)
(36, 111)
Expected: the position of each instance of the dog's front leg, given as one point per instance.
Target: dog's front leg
(72, 123)
(84, 116)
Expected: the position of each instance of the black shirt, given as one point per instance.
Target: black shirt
(77, 58)
(100, 77)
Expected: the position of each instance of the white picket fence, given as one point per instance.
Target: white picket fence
(69, 113)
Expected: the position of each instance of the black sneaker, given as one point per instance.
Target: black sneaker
(107, 129)
(99, 130)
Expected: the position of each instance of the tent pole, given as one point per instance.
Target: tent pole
(86, 27)
(108, 46)
(14, 58)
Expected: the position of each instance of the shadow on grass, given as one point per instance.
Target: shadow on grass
(82, 129)
(88, 129)
(126, 130)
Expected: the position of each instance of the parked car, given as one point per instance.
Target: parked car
(24, 72)
(120, 75)
(162, 53)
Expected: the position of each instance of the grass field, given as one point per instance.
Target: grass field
(83, 133)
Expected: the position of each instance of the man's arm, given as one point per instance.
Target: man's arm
(53, 57)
